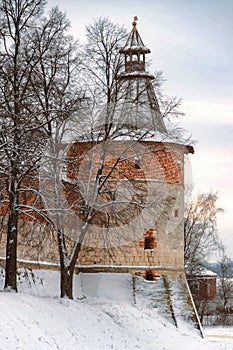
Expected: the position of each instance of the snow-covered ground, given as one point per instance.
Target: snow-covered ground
(102, 316)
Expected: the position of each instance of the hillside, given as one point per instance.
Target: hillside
(100, 322)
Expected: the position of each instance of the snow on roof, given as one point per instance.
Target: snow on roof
(135, 74)
(134, 41)
(141, 48)
(206, 273)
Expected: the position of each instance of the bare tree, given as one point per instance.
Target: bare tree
(101, 62)
(56, 67)
(82, 190)
(102, 58)
(36, 59)
(16, 19)
(200, 230)
(226, 282)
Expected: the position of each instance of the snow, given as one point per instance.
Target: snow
(206, 273)
(111, 286)
(101, 316)
(136, 74)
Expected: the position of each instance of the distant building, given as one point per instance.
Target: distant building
(203, 285)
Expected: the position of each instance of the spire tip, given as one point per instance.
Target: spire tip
(134, 21)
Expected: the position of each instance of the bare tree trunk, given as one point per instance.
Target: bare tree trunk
(67, 266)
(11, 247)
(66, 273)
(66, 282)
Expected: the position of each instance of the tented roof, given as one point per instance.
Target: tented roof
(134, 42)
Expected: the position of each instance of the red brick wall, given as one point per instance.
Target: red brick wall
(162, 161)
(207, 288)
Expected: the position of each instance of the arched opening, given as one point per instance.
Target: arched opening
(149, 243)
(127, 58)
(141, 57)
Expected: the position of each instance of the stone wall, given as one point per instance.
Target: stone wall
(155, 173)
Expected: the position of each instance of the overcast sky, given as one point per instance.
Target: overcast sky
(192, 42)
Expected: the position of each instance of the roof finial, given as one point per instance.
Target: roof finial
(134, 21)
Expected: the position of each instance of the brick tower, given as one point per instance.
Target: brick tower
(153, 164)
(138, 225)
(142, 231)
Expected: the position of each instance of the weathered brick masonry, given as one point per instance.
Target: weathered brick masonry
(164, 167)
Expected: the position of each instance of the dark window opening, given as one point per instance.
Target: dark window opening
(149, 243)
(137, 163)
(149, 276)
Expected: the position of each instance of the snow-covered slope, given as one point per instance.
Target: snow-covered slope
(90, 323)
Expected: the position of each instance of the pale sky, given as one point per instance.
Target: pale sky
(192, 42)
